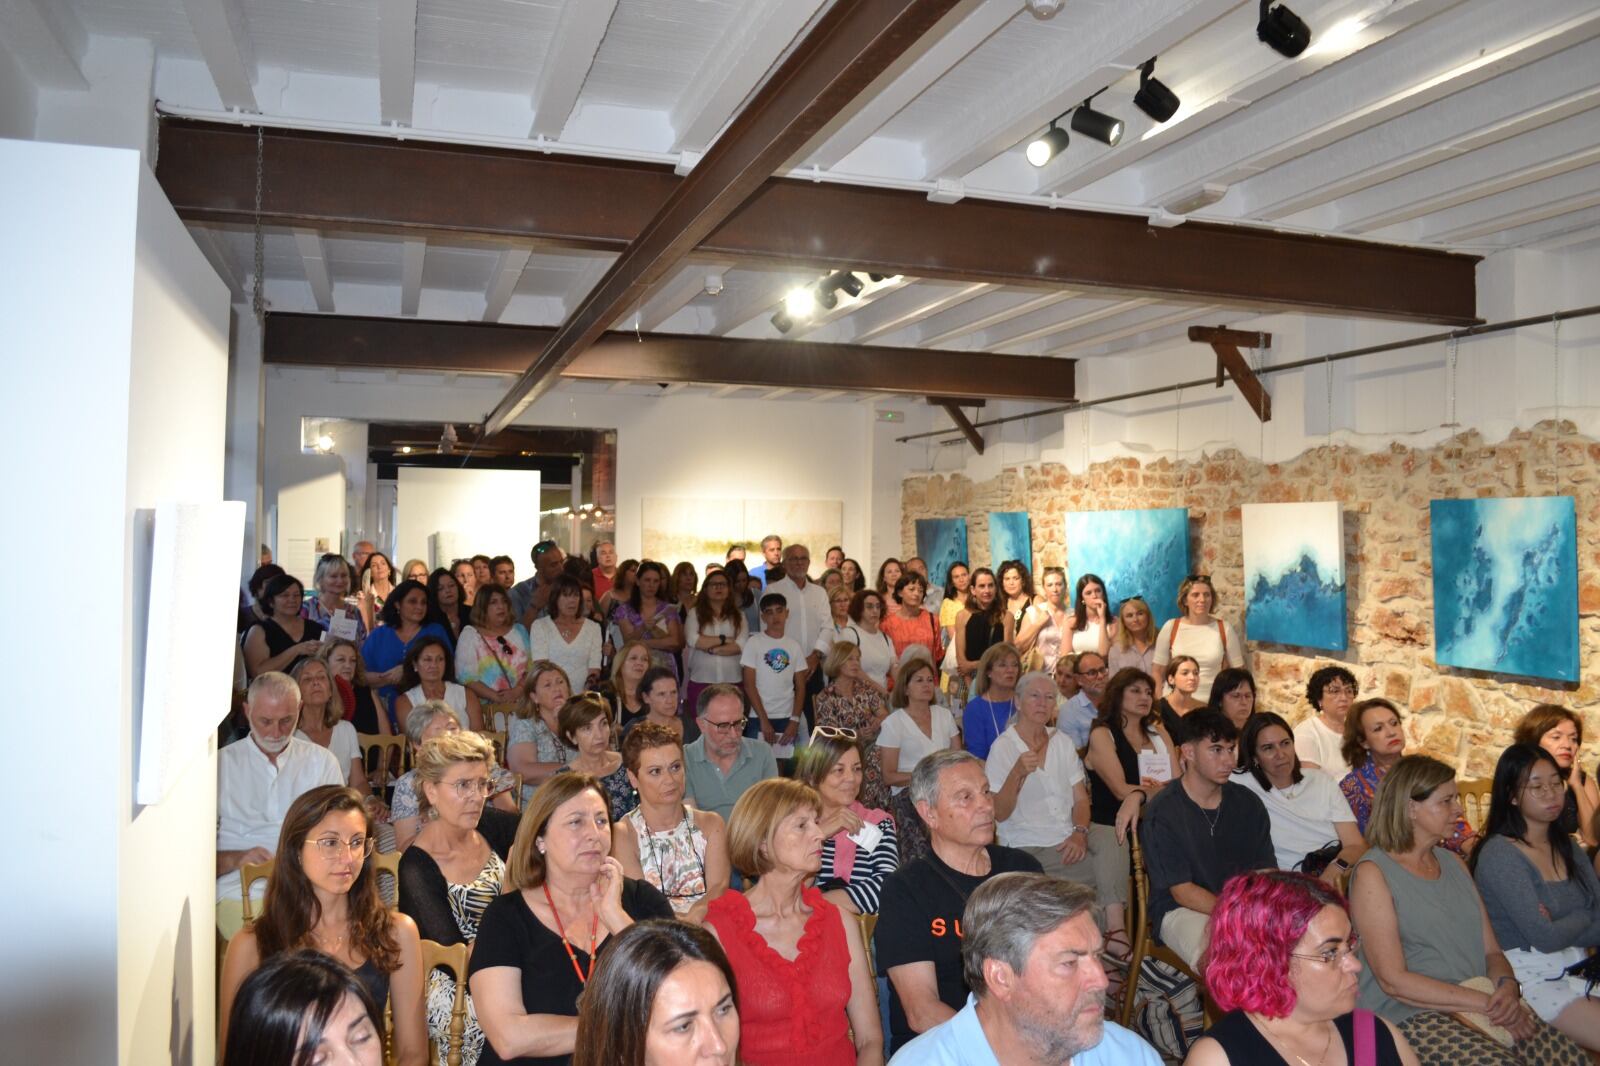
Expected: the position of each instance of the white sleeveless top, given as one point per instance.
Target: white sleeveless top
(455, 695)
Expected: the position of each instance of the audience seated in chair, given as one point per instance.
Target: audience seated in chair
(303, 1007)
(430, 719)
(918, 936)
(1030, 952)
(1373, 742)
(258, 778)
(860, 848)
(1200, 833)
(323, 894)
(1312, 825)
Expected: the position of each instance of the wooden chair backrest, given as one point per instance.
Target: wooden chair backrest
(249, 874)
(868, 924)
(392, 758)
(454, 959)
(386, 864)
(1475, 801)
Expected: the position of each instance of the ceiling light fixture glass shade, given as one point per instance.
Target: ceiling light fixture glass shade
(1154, 98)
(1281, 29)
(1047, 146)
(800, 303)
(1097, 124)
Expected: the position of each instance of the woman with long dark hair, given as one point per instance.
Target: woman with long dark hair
(714, 633)
(981, 625)
(284, 635)
(300, 1009)
(664, 995)
(449, 601)
(323, 894)
(429, 674)
(1016, 593)
(405, 618)
(651, 616)
(1313, 828)
(1560, 732)
(1542, 895)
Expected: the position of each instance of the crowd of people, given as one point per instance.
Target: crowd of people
(755, 816)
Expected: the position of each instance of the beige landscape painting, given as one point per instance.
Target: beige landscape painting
(701, 530)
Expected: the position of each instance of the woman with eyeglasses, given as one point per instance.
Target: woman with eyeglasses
(1319, 738)
(1560, 732)
(585, 726)
(1196, 632)
(493, 657)
(323, 894)
(851, 700)
(539, 942)
(564, 636)
(672, 845)
(1133, 639)
(452, 871)
(1541, 893)
(428, 676)
(428, 720)
(1282, 963)
(1234, 694)
(1434, 966)
(861, 849)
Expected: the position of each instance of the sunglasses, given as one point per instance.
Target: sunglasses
(833, 732)
(1199, 577)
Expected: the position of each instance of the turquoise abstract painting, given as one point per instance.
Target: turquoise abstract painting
(1010, 537)
(1136, 553)
(1294, 581)
(1505, 585)
(941, 542)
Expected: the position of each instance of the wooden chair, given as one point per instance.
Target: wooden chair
(868, 924)
(453, 959)
(393, 757)
(497, 737)
(1145, 946)
(1475, 801)
(249, 874)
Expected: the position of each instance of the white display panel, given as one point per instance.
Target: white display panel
(489, 512)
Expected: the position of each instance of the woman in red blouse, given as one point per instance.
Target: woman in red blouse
(910, 623)
(806, 995)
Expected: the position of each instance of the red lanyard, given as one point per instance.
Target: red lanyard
(594, 932)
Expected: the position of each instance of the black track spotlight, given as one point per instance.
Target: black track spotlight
(848, 284)
(1282, 29)
(875, 278)
(1154, 98)
(782, 321)
(827, 299)
(1047, 145)
(1097, 124)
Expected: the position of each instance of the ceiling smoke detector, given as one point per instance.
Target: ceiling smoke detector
(1044, 9)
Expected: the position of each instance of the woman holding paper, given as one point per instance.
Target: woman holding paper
(1130, 758)
(861, 850)
(333, 608)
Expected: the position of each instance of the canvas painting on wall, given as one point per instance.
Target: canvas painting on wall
(941, 542)
(1136, 553)
(1505, 585)
(676, 529)
(1294, 583)
(1010, 537)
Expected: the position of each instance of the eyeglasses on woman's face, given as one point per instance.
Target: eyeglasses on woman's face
(469, 787)
(1330, 956)
(332, 848)
(1544, 787)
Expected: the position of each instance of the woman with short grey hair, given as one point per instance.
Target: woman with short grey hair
(429, 719)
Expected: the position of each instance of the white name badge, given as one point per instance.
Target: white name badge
(342, 624)
(1155, 765)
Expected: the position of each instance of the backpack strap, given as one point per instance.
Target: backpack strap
(1222, 631)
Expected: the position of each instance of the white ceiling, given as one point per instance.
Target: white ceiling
(1467, 124)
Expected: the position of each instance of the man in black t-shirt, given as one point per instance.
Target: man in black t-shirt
(918, 937)
(1199, 831)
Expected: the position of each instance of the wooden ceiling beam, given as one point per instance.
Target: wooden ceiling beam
(1230, 362)
(459, 192)
(412, 344)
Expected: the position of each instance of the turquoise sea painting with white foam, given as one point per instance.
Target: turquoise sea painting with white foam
(1136, 553)
(1294, 577)
(1505, 585)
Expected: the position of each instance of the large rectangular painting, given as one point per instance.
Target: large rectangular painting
(1294, 582)
(941, 542)
(1010, 537)
(700, 531)
(1505, 585)
(1136, 553)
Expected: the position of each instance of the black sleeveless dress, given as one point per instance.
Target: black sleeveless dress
(1246, 1046)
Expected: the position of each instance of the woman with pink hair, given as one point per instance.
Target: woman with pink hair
(1282, 963)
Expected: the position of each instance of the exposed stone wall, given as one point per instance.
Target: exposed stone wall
(1463, 717)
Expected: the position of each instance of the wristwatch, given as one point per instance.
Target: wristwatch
(1340, 863)
(722, 638)
(1080, 829)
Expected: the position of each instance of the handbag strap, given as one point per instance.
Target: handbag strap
(1366, 1038)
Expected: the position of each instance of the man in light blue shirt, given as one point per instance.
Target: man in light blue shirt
(1077, 715)
(1030, 948)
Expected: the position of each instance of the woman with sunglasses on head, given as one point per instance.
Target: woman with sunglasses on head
(861, 849)
(493, 657)
(323, 894)
(1196, 632)
(429, 676)
(1541, 893)
(852, 701)
(1133, 639)
(585, 727)
(452, 871)
(564, 636)
(672, 845)
(1282, 963)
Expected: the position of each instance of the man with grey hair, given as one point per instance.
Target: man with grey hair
(1031, 955)
(258, 777)
(918, 936)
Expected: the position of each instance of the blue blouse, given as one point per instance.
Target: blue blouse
(982, 723)
(383, 651)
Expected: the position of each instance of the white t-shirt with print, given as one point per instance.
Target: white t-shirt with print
(774, 661)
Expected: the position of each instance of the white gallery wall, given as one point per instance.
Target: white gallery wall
(470, 512)
(691, 447)
(107, 908)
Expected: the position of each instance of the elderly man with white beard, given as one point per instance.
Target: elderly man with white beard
(1031, 952)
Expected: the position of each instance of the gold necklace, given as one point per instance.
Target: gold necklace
(322, 941)
(1327, 1042)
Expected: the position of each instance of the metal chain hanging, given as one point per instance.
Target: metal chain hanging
(1327, 368)
(1452, 348)
(258, 302)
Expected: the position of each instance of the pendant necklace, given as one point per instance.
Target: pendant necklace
(594, 931)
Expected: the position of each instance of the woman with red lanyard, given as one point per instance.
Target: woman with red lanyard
(910, 623)
(1212, 642)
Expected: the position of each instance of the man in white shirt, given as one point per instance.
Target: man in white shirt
(257, 779)
(1078, 714)
(807, 601)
